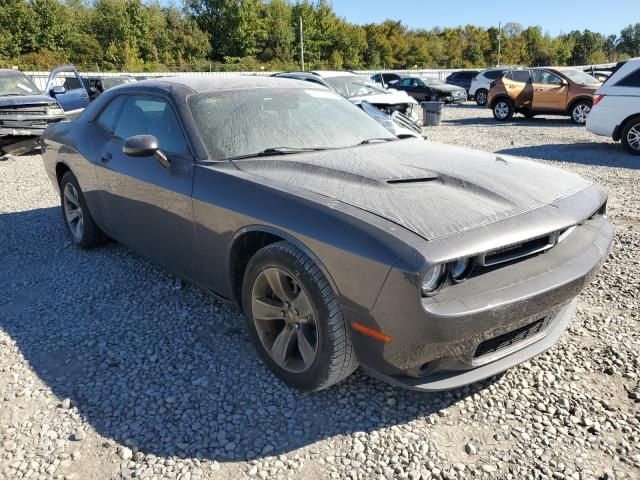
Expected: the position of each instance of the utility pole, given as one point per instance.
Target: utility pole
(499, 40)
(301, 46)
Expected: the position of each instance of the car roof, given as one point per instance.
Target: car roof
(208, 83)
(11, 71)
(334, 73)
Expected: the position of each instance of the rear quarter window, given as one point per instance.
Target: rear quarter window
(494, 74)
(631, 80)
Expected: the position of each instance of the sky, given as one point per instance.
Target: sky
(555, 16)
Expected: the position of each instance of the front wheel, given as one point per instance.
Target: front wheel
(481, 97)
(503, 110)
(78, 221)
(580, 112)
(295, 320)
(631, 136)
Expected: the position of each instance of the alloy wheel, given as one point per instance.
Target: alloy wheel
(285, 320)
(633, 137)
(580, 113)
(73, 211)
(502, 110)
(481, 97)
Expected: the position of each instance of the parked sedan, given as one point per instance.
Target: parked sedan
(428, 265)
(431, 89)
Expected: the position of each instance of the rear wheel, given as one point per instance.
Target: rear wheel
(631, 136)
(580, 111)
(503, 110)
(82, 229)
(481, 97)
(295, 319)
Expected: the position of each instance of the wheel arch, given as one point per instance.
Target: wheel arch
(579, 99)
(501, 96)
(617, 133)
(60, 169)
(248, 240)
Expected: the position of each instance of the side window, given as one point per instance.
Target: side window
(151, 116)
(546, 78)
(406, 82)
(522, 76)
(631, 80)
(108, 116)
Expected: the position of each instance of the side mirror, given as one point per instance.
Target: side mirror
(58, 90)
(145, 146)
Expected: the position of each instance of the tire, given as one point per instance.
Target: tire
(324, 329)
(503, 110)
(77, 219)
(630, 135)
(580, 111)
(481, 97)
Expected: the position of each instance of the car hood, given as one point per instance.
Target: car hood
(431, 189)
(392, 98)
(446, 88)
(26, 100)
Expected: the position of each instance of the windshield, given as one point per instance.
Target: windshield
(110, 82)
(16, 83)
(234, 123)
(432, 81)
(580, 77)
(352, 86)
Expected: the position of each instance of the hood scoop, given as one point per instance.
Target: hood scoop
(412, 181)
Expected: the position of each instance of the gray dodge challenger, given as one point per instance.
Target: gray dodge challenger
(429, 266)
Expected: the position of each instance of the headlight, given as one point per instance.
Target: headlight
(433, 279)
(55, 110)
(460, 269)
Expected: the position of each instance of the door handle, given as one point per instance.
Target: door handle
(84, 95)
(106, 157)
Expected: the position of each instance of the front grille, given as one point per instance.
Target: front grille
(506, 340)
(23, 111)
(405, 122)
(519, 250)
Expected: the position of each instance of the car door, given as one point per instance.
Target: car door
(149, 207)
(517, 84)
(550, 91)
(66, 85)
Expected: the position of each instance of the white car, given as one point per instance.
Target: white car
(616, 107)
(481, 83)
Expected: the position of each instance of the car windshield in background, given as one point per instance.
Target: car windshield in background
(580, 77)
(432, 81)
(236, 123)
(110, 82)
(16, 84)
(350, 86)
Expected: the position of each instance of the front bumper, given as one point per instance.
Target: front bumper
(447, 379)
(27, 125)
(437, 345)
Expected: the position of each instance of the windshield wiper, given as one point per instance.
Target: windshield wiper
(379, 139)
(267, 152)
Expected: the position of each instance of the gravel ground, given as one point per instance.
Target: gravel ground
(111, 368)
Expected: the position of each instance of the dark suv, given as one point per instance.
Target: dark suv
(462, 79)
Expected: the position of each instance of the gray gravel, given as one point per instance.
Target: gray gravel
(111, 368)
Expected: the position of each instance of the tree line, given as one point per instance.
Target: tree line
(133, 35)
